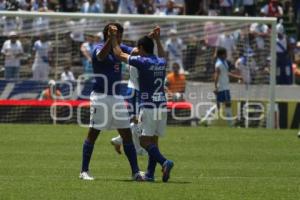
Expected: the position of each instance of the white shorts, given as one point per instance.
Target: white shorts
(108, 112)
(153, 121)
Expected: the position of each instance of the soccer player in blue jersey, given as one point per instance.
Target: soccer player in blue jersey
(108, 109)
(153, 115)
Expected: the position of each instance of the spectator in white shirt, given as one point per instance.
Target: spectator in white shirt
(127, 7)
(227, 41)
(3, 5)
(43, 54)
(67, 75)
(174, 47)
(272, 9)
(12, 50)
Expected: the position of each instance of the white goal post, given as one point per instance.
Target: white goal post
(152, 19)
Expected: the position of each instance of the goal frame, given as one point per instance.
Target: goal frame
(268, 20)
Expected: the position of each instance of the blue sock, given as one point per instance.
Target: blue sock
(151, 166)
(131, 156)
(154, 152)
(86, 155)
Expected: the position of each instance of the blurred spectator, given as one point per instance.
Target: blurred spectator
(211, 30)
(174, 47)
(296, 64)
(193, 7)
(51, 92)
(260, 32)
(127, 7)
(249, 7)
(175, 83)
(67, 74)
(98, 37)
(145, 6)
(12, 50)
(284, 65)
(245, 64)
(173, 8)
(3, 5)
(213, 8)
(39, 5)
(111, 6)
(42, 49)
(68, 5)
(91, 6)
(10, 24)
(272, 9)
(87, 50)
(296, 9)
(226, 7)
(40, 24)
(227, 41)
(25, 5)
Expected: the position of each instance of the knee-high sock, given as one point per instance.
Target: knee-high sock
(87, 152)
(131, 156)
(154, 152)
(228, 113)
(151, 166)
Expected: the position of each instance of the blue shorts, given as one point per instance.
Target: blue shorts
(223, 96)
(132, 99)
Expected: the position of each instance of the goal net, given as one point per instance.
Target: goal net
(190, 43)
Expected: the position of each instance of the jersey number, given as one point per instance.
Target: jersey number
(158, 81)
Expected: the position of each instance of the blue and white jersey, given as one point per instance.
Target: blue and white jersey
(152, 73)
(223, 83)
(110, 68)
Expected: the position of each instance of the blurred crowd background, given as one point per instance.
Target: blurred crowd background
(34, 53)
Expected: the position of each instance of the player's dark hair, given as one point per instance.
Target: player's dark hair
(221, 51)
(147, 44)
(105, 30)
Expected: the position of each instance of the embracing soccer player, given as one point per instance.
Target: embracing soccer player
(153, 114)
(108, 108)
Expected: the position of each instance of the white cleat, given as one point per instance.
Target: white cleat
(139, 176)
(86, 176)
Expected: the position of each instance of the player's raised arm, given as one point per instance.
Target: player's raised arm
(116, 46)
(102, 54)
(155, 35)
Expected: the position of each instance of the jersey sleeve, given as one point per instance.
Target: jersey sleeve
(35, 46)
(136, 61)
(97, 50)
(126, 49)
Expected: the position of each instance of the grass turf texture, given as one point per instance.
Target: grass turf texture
(43, 162)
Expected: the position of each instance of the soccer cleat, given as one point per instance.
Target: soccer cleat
(139, 176)
(117, 144)
(167, 167)
(86, 176)
(149, 178)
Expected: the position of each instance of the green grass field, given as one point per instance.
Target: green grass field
(43, 162)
